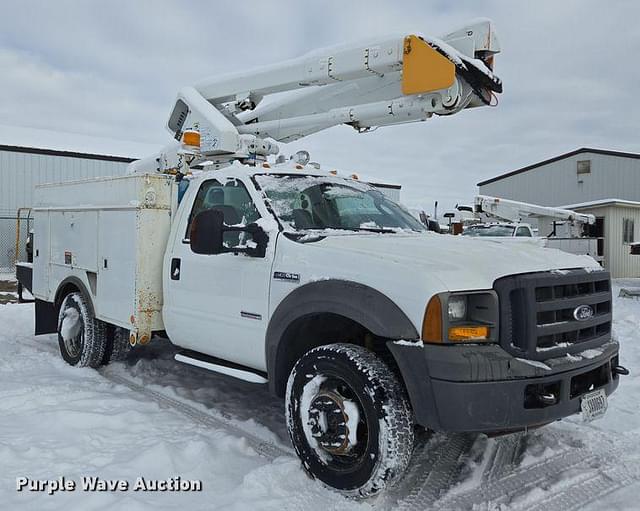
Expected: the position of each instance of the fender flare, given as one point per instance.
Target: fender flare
(46, 313)
(75, 281)
(357, 302)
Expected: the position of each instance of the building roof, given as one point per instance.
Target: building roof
(561, 157)
(72, 145)
(602, 203)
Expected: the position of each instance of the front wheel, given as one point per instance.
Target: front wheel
(81, 337)
(349, 419)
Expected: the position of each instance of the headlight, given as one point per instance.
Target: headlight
(461, 317)
(457, 308)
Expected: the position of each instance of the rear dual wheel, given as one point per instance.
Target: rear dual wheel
(84, 340)
(118, 346)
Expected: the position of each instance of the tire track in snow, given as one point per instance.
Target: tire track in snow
(522, 480)
(434, 472)
(264, 448)
(505, 456)
(569, 498)
(422, 461)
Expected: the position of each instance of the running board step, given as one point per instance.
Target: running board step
(221, 366)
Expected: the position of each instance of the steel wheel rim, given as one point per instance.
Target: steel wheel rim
(338, 453)
(73, 345)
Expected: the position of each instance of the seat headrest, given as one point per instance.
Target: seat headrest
(231, 215)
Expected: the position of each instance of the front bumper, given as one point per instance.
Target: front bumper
(484, 389)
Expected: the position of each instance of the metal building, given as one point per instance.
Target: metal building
(29, 157)
(21, 168)
(601, 182)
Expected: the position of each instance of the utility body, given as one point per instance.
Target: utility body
(321, 286)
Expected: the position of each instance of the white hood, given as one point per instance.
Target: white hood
(460, 263)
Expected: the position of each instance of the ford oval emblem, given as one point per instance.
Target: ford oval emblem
(583, 312)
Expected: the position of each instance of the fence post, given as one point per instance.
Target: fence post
(17, 250)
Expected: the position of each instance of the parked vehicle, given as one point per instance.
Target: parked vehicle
(319, 286)
(559, 228)
(499, 230)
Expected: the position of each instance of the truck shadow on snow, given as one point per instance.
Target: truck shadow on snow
(241, 401)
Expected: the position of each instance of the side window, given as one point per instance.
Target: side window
(233, 199)
(627, 230)
(523, 231)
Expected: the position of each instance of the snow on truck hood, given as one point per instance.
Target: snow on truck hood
(459, 263)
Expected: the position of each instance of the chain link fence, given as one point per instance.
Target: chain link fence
(14, 230)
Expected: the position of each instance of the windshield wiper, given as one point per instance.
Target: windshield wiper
(375, 229)
(316, 234)
(304, 238)
(366, 229)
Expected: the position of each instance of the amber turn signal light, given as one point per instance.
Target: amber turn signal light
(432, 321)
(468, 333)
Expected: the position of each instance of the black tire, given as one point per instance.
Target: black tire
(117, 347)
(86, 347)
(322, 390)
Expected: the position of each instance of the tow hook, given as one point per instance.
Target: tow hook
(623, 371)
(548, 399)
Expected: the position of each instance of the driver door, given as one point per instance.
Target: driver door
(219, 303)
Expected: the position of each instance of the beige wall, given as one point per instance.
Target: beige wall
(616, 254)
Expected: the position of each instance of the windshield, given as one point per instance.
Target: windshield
(312, 202)
(489, 230)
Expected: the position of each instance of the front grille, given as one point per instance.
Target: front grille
(537, 318)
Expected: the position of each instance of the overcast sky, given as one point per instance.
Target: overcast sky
(571, 70)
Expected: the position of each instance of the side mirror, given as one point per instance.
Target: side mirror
(207, 235)
(206, 232)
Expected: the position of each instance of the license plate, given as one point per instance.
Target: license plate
(593, 405)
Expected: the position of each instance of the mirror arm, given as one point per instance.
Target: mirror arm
(258, 251)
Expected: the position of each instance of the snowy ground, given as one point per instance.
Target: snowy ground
(9, 289)
(156, 418)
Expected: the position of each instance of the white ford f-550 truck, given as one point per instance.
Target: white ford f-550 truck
(320, 286)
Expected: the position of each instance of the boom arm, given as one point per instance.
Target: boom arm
(514, 211)
(390, 81)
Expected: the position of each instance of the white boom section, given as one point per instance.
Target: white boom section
(392, 80)
(514, 211)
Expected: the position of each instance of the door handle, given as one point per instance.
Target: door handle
(175, 268)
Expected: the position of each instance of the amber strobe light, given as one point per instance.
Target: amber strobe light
(468, 333)
(432, 322)
(191, 138)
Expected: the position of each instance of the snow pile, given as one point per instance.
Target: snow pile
(59, 421)
(71, 324)
(309, 392)
(6, 276)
